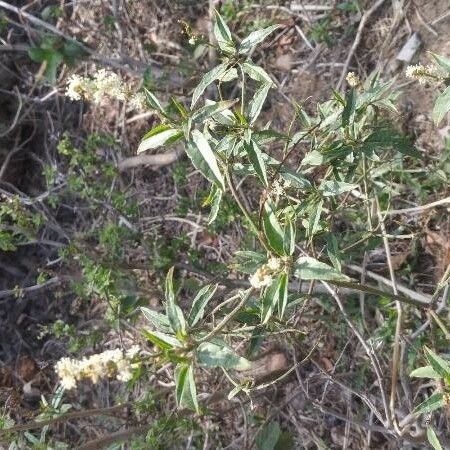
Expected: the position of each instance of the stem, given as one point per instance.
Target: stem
(244, 210)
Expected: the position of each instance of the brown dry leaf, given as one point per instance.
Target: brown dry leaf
(27, 368)
(284, 62)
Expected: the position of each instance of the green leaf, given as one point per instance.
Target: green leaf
(257, 102)
(441, 106)
(272, 229)
(154, 102)
(270, 300)
(215, 355)
(440, 365)
(255, 157)
(211, 109)
(333, 251)
(432, 403)
(248, 261)
(158, 136)
(215, 205)
(333, 187)
(158, 320)
(255, 38)
(384, 138)
(186, 392)
(349, 108)
(433, 439)
(51, 57)
(206, 80)
(424, 372)
(202, 298)
(268, 437)
(289, 238)
(442, 61)
(298, 181)
(256, 73)
(307, 268)
(203, 158)
(162, 340)
(223, 35)
(173, 311)
(314, 211)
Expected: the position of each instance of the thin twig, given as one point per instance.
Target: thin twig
(418, 209)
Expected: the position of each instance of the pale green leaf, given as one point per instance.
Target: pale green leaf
(215, 355)
(255, 157)
(202, 298)
(256, 103)
(256, 73)
(268, 437)
(425, 372)
(433, 439)
(158, 320)
(440, 365)
(333, 187)
(212, 109)
(442, 61)
(186, 392)
(223, 35)
(254, 38)
(206, 80)
(432, 403)
(162, 340)
(307, 268)
(272, 229)
(441, 106)
(173, 311)
(157, 137)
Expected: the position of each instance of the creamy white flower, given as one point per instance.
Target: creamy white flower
(138, 101)
(75, 87)
(422, 73)
(352, 79)
(260, 279)
(110, 363)
(275, 264)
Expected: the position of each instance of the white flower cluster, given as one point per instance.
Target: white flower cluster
(352, 79)
(279, 187)
(103, 84)
(109, 363)
(422, 73)
(264, 275)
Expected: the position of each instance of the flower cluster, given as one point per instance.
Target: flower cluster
(102, 84)
(279, 187)
(422, 73)
(109, 363)
(352, 79)
(264, 274)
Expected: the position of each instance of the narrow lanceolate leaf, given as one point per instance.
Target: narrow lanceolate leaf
(441, 106)
(333, 251)
(272, 229)
(283, 294)
(433, 439)
(440, 365)
(255, 157)
(333, 187)
(256, 73)
(186, 392)
(215, 355)
(257, 102)
(162, 340)
(275, 296)
(211, 109)
(215, 205)
(203, 158)
(154, 102)
(223, 35)
(202, 298)
(308, 268)
(158, 320)
(432, 403)
(289, 238)
(206, 80)
(255, 38)
(424, 372)
(158, 136)
(174, 313)
(349, 108)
